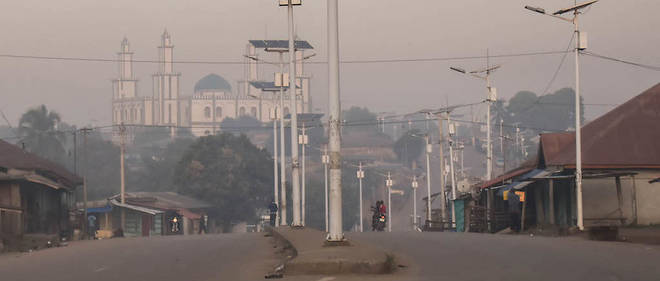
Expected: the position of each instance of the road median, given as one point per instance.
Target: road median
(313, 256)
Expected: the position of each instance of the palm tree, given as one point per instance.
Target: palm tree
(38, 128)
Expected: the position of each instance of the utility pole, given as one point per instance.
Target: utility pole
(502, 147)
(303, 140)
(429, 149)
(325, 158)
(336, 234)
(452, 132)
(276, 198)
(443, 185)
(282, 145)
(580, 44)
(414, 199)
(360, 176)
(295, 165)
(122, 151)
(388, 184)
(85, 132)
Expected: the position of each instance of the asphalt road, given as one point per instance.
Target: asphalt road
(191, 258)
(467, 256)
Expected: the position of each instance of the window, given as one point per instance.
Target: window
(207, 112)
(253, 111)
(241, 112)
(218, 112)
(286, 112)
(169, 113)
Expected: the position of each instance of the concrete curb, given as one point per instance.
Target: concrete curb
(331, 261)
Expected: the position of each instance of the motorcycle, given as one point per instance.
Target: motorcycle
(379, 220)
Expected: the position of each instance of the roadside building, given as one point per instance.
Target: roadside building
(36, 195)
(620, 159)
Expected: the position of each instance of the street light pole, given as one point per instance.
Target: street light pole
(360, 176)
(580, 44)
(452, 131)
(336, 234)
(325, 158)
(388, 184)
(303, 140)
(414, 199)
(295, 165)
(443, 185)
(276, 197)
(282, 145)
(428, 177)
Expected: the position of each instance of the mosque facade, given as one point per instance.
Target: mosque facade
(213, 99)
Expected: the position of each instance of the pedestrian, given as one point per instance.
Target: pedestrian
(514, 210)
(273, 213)
(382, 209)
(203, 221)
(91, 226)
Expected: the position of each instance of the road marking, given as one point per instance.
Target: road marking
(327, 279)
(100, 269)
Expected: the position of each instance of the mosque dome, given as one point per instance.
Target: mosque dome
(212, 82)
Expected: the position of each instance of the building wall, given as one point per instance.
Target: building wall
(600, 198)
(10, 209)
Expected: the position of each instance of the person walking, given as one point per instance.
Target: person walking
(273, 213)
(514, 210)
(91, 226)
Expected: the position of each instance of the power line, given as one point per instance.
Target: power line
(204, 61)
(645, 66)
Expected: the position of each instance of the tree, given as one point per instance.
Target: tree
(360, 119)
(552, 112)
(241, 124)
(38, 128)
(409, 146)
(230, 173)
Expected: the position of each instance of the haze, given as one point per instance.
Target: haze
(369, 29)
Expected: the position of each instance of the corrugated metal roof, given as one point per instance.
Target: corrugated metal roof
(13, 157)
(626, 137)
(136, 208)
(279, 44)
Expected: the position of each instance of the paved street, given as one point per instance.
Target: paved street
(452, 256)
(191, 258)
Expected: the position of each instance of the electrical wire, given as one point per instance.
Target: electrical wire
(640, 65)
(203, 61)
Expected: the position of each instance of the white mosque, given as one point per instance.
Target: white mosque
(213, 98)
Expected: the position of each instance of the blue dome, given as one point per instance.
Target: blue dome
(212, 82)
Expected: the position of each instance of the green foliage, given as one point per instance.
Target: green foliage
(241, 124)
(409, 146)
(158, 166)
(101, 166)
(552, 112)
(360, 119)
(229, 172)
(38, 128)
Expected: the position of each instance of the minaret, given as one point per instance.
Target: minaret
(166, 85)
(125, 86)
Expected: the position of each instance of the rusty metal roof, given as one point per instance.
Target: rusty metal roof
(13, 157)
(525, 167)
(626, 137)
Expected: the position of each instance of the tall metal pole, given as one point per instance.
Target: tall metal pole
(276, 179)
(489, 147)
(326, 160)
(85, 164)
(122, 151)
(428, 178)
(282, 147)
(414, 199)
(389, 201)
(578, 127)
(295, 165)
(451, 172)
(502, 146)
(303, 143)
(360, 175)
(443, 185)
(336, 234)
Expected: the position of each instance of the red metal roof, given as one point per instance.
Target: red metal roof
(13, 157)
(626, 137)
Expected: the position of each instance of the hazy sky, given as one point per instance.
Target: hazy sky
(369, 29)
